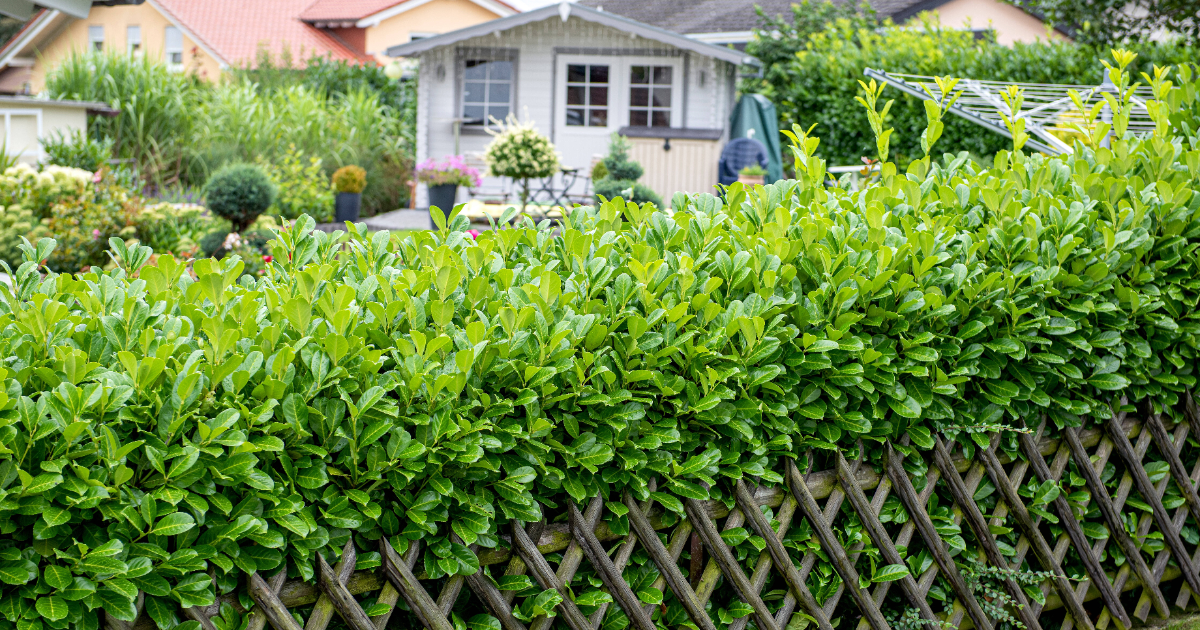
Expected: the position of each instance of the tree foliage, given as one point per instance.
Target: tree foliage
(1109, 22)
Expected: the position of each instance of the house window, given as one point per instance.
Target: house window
(133, 39)
(487, 90)
(587, 95)
(173, 49)
(96, 38)
(650, 96)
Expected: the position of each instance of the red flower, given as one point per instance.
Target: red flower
(474, 234)
(267, 259)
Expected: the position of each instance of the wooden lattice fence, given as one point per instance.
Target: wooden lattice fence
(584, 536)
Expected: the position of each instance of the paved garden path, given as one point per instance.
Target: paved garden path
(401, 220)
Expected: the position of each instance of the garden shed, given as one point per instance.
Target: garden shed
(579, 74)
(27, 121)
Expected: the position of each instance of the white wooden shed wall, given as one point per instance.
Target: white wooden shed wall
(707, 88)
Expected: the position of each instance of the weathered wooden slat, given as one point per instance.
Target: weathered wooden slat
(902, 540)
(983, 533)
(198, 615)
(343, 601)
(268, 603)
(388, 596)
(622, 558)
(1170, 452)
(1146, 489)
(759, 524)
(258, 620)
(1178, 519)
(1037, 542)
(516, 565)
(572, 557)
(608, 573)
(1068, 521)
(414, 594)
(541, 571)
(1116, 527)
(666, 565)
(491, 597)
(831, 511)
(807, 505)
(323, 611)
(704, 525)
(762, 570)
(917, 512)
(887, 551)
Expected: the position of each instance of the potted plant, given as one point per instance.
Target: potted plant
(443, 179)
(349, 182)
(753, 174)
(520, 152)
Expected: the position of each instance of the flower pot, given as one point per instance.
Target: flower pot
(751, 180)
(346, 207)
(443, 196)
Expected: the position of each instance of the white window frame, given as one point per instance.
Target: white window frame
(168, 50)
(618, 90)
(95, 36)
(133, 37)
(676, 107)
(484, 54)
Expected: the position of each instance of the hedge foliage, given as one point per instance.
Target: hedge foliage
(815, 59)
(161, 424)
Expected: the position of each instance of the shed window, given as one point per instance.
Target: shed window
(96, 38)
(650, 96)
(587, 95)
(487, 90)
(133, 39)
(173, 49)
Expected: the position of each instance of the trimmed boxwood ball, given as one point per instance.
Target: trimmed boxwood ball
(239, 193)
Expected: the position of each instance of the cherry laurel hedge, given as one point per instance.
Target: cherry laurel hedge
(169, 430)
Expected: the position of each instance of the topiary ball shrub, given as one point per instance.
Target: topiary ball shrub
(239, 193)
(350, 179)
(636, 192)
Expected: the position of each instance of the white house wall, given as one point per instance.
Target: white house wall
(706, 87)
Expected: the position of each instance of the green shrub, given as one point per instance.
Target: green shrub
(78, 150)
(178, 229)
(349, 179)
(812, 73)
(303, 187)
(621, 175)
(239, 193)
(175, 433)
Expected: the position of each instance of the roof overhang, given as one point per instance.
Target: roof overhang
(24, 9)
(30, 35)
(187, 32)
(495, 6)
(567, 10)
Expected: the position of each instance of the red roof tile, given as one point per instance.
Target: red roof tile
(233, 29)
(333, 10)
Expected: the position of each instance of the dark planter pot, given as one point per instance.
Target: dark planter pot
(443, 196)
(346, 207)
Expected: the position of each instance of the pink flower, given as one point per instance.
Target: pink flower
(474, 234)
(95, 235)
(267, 259)
(96, 177)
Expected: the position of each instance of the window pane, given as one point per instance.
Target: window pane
(599, 74)
(473, 113)
(499, 112)
(662, 119)
(476, 70)
(598, 96)
(662, 74)
(662, 97)
(576, 73)
(474, 92)
(575, 95)
(639, 97)
(598, 118)
(500, 70)
(498, 93)
(637, 118)
(175, 57)
(639, 74)
(575, 117)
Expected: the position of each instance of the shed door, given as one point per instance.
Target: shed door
(585, 105)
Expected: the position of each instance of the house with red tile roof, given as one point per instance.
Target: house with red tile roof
(208, 36)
